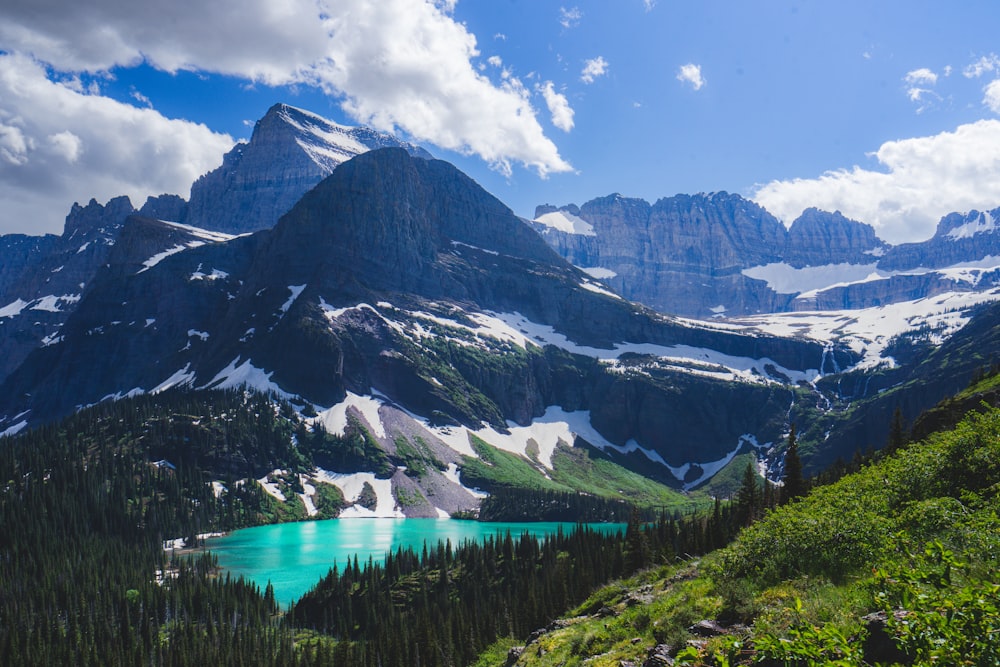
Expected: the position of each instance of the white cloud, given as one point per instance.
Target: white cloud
(922, 76)
(985, 65)
(649, 4)
(59, 145)
(917, 94)
(924, 178)
(593, 68)
(991, 96)
(691, 73)
(395, 64)
(562, 113)
(496, 61)
(570, 18)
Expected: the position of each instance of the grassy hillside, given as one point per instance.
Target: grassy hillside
(896, 564)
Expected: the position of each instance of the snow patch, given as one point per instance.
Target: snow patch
(561, 221)
(216, 274)
(597, 289)
(159, 257)
(352, 484)
(334, 419)
(272, 488)
(15, 429)
(51, 303)
(203, 234)
(786, 279)
(981, 225)
(473, 247)
(180, 378)
(13, 309)
(246, 374)
(452, 473)
(598, 272)
(296, 290)
(709, 470)
(868, 331)
(306, 497)
(194, 333)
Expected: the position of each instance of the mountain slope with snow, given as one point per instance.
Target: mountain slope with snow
(289, 152)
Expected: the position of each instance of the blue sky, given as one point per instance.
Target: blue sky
(888, 111)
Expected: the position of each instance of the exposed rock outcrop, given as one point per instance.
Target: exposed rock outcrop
(290, 151)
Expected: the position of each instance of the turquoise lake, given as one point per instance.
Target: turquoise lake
(294, 556)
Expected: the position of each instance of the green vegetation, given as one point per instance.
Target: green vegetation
(894, 564)
(496, 468)
(415, 456)
(575, 470)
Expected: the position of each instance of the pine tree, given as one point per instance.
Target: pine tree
(794, 484)
(897, 432)
(748, 498)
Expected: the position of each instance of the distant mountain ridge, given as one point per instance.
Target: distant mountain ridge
(719, 254)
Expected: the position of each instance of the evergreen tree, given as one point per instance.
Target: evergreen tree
(794, 484)
(748, 499)
(897, 432)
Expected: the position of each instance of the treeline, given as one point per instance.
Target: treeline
(84, 508)
(85, 505)
(507, 504)
(445, 605)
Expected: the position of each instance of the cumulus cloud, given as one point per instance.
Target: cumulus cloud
(691, 74)
(991, 96)
(59, 145)
(395, 64)
(562, 113)
(593, 68)
(924, 178)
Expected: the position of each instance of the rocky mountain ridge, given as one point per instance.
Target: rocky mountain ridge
(42, 278)
(289, 152)
(399, 287)
(719, 254)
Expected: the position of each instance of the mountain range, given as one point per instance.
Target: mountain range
(384, 292)
(712, 255)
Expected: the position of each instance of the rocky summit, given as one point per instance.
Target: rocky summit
(290, 151)
(720, 255)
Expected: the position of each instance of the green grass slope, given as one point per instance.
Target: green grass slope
(896, 564)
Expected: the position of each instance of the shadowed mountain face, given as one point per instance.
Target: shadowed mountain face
(43, 278)
(400, 277)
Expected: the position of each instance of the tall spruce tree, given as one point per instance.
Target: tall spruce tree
(793, 483)
(748, 499)
(897, 432)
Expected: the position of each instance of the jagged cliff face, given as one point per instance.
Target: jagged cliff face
(716, 255)
(43, 278)
(290, 151)
(688, 254)
(399, 278)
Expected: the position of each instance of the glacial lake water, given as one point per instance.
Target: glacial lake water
(295, 556)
